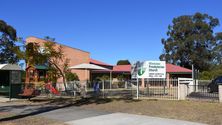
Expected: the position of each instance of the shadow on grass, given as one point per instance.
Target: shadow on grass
(52, 104)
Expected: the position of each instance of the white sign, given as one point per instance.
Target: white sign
(152, 69)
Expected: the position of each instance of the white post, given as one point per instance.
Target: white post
(137, 90)
(192, 72)
(110, 86)
(103, 88)
(86, 75)
(178, 89)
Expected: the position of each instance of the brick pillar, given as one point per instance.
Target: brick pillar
(182, 91)
(220, 92)
(168, 80)
(143, 83)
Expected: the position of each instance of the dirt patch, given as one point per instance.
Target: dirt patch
(31, 120)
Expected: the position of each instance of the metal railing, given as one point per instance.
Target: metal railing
(201, 92)
(160, 89)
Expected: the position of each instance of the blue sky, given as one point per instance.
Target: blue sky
(109, 29)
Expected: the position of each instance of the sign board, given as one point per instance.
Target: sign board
(149, 69)
(15, 77)
(157, 69)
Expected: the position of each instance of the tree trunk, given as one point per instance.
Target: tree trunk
(63, 75)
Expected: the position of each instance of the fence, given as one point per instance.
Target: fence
(200, 91)
(167, 89)
(160, 89)
(152, 89)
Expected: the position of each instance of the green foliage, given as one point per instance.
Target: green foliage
(103, 77)
(218, 49)
(52, 74)
(8, 48)
(121, 77)
(50, 54)
(8, 30)
(206, 75)
(32, 54)
(191, 40)
(71, 76)
(123, 62)
(211, 74)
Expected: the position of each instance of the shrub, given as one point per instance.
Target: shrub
(72, 76)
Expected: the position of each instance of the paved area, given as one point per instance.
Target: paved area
(73, 115)
(79, 116)
(128, 119)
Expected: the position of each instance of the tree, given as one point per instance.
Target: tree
(218, 49)
(8, 48)
(191, 40)
(71, 76)
(215, 71)
(123, 62)
(53, 55)
(50, 54)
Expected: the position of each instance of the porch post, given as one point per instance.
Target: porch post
(137, 90)
(111, 77)
(10, 86)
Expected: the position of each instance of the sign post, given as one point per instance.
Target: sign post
(137, 89)
(149, 69)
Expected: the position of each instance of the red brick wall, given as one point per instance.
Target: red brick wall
(75, 56)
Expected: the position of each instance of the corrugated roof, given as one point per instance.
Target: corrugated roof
(93, 61)
(122, 68)
(9, 67)
(170, 68)
(43, 67)
(2, 65)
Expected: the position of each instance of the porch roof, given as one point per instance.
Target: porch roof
(9, 67)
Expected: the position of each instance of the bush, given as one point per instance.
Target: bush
(72, 76)
(211, 74)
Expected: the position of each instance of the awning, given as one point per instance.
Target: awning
(42, 67)
(87, 66)
(9, 67)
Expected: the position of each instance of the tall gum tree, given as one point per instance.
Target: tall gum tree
(8, 48)
(191, 40)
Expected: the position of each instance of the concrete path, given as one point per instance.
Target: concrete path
(72, 113)
(128, 119)
(79, 116)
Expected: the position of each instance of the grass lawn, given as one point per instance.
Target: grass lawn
(203, 112)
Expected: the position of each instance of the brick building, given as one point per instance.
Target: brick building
(76, 56)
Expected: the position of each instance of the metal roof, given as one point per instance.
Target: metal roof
(9, 67)
(43, 67)
(88, 67)
(170, 68)
(96, 62)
